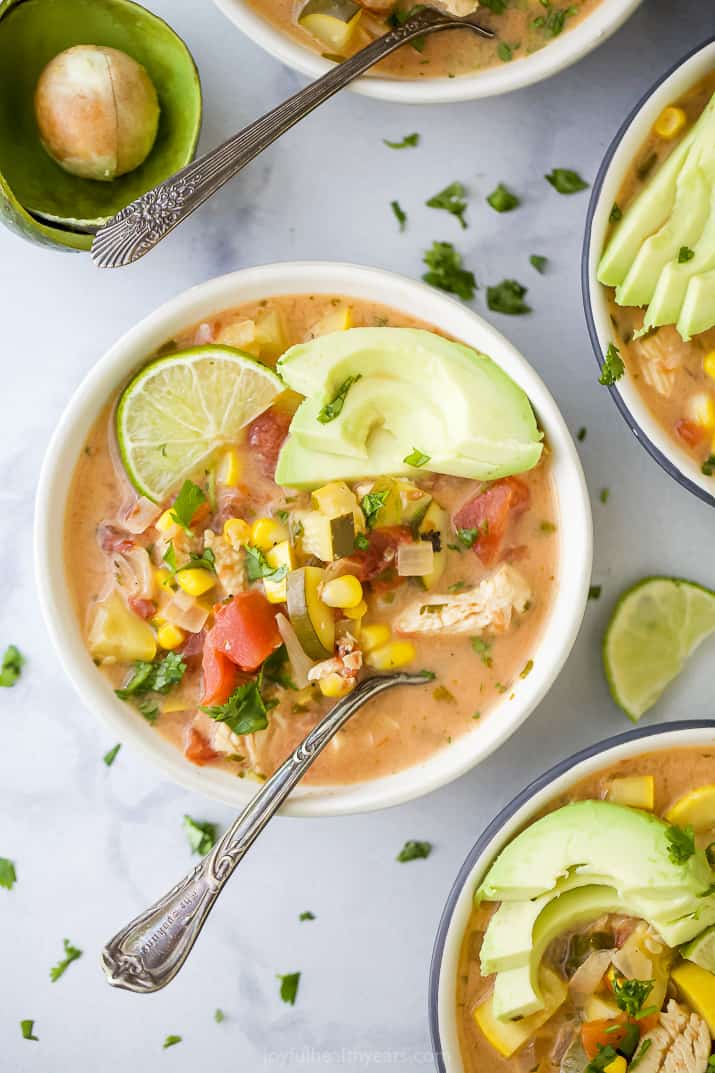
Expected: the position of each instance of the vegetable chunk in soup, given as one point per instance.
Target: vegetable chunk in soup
(338, 28)
(591, 945)
(231, 611)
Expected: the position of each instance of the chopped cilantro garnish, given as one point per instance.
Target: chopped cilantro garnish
(289, 986)
(273, 669)
(307, 915)
(468, 537)
(502, 200)
(410, 141)
(333, 409)
(497, 6)
(371, 505)
(482, 648)
(245, 711)
(685, 254)
(538, 262)
(647, 166)
(566, 181)
(156, 677)
(149, 709)
(446, 271)
(451, 200)
(169, 557)
(615, 214)
(171, 1041)
(708, 466)
(361, 542)
(505, 52)
(399, 214)
(527, 669)
(605, 1056)
(594, 592)
(414, 850)
(553, 22)
(681, 843)
(205, 560)
(441, 693)
(547, 527)
(429, 676)
(508, 297)
(71, 954)
(458, 586)
(219, 1016)
(257, 566)
(8, 875)
(12, 662)
(111, 756)
(643, 1051)
(200, 834)
(188, 501)
(27, 1028)
(613, 367)
(631, 995)
(416, 458)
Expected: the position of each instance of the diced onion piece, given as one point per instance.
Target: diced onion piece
(299, 662)
(135, 572)
(184, 611)
(588, 976)
(141, 515)
(415, 560)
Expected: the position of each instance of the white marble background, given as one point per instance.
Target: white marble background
(94, 845)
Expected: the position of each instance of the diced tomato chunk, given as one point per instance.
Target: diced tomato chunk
(265, 437)
(605, 1033)
(490, 513)
(689, 432)
(243, 635)
(379, 557)
(144, 608)
(220, 675)
(198, 750)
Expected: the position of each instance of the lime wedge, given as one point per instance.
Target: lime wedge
(656, 625)
(179, 409)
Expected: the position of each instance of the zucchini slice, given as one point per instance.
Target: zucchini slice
(312, 620)
(325, 538)
(333, 22)
(436, 520)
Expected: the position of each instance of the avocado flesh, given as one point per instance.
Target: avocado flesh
(414, 390)
(653, 206)
(673, 282)
(698, 311)
(701, 951)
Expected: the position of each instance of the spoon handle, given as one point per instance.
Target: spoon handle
(137, 228)
(147, 954)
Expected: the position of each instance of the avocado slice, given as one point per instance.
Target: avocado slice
(674, 281)
(701, 950)
(698, 310)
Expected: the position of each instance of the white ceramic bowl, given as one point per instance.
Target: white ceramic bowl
(524, 808)
(647, 430)
(421, 301)
(559, 53)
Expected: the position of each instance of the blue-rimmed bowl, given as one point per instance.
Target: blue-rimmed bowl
(517, 814)
(619, 158)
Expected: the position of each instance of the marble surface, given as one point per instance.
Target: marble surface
(95, 845)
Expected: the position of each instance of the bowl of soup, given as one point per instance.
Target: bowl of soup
(294, 476)
(533, 40)
(649, 256)
(579, 934)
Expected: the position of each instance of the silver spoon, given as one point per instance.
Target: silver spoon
(147, 954)
(140, 226)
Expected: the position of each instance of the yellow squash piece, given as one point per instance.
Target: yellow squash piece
(338, 320)
(709, 364)
(271, 334)
(696, 808)
(117, 634)
(636, 791)
(697, 986)
(618, 1065)
(508, 1036)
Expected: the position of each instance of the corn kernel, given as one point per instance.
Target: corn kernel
(163, 579)
(166, 524)
(618, 1065)
(670, 122)
(265, 532)
(334, 685)
(237, 532)
(709, 364)
(392, 655)
(230, 469)
(170, 636)
(344, 591)
(374, 636)
(357, 612)
(195, 581)
(279, 555)
(701, 410)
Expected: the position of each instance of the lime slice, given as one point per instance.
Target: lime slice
(655, 627)
(179, 409)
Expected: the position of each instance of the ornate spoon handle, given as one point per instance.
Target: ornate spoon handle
(137, 228)
(147, 954)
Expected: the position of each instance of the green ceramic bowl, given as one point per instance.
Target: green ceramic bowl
(39, 200)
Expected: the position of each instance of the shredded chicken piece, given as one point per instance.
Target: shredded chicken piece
(680, 1043)
(346, 663)
(660, 356)
(488, 606)
(230, 562)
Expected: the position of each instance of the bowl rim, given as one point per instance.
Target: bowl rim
(524, 801)
(558, 633)
(565, 50)
(634, 411)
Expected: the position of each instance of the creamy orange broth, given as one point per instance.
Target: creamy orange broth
(666, 371)
(402, 727)
(446, 54)
(676, 772)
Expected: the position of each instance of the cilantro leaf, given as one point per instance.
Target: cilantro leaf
(497, 6)
(681, 843)
(71, 954)
(446, 271)
(201, 835)
(400, 214)
(605, 1056)
(205, 560)
(429, 676)
(413, 850)
(171, 1041)
(594, 592)
(506, 54)
(482, 648)
(566, 181)
(8, 875)
(169, 557)
(188, 501)
(156, 677)
(613, 367)
(361, 542)
(333, 409)
(371, 505)
(708, 466)
(410, 141)
(307, 915)
(27, 1028)
(274, 669)
(468, 537)
(450, 200)
(631, 995)
(245, 711)
(502, 200)
(257, 566)
(111, 756)
(12, 663)
(538, 262)
(507, 297)
(289, 986)
(416, 458)
(149, 709)
(685, 254)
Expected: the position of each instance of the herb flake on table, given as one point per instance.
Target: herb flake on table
(171, 1041)
(681, 843)
(410, 141)
(594, 592)
(566, 181)
(245, 711)
(613, 366)
(604, 494)
(414, 850)
(71, 954)
(289, 987)
(27, 1028)
(12, 664)
(508, 297)
(307, 915)
(187, 502)
(219, 1016)
(502, 199)
(538, 262)
(334, 407)
(451, 200)
(581, 434)
(447, 272)
(8, 875)
(201, 835)
(399, 214)
(111, 756)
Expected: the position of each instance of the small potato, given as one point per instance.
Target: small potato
(97, 112)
